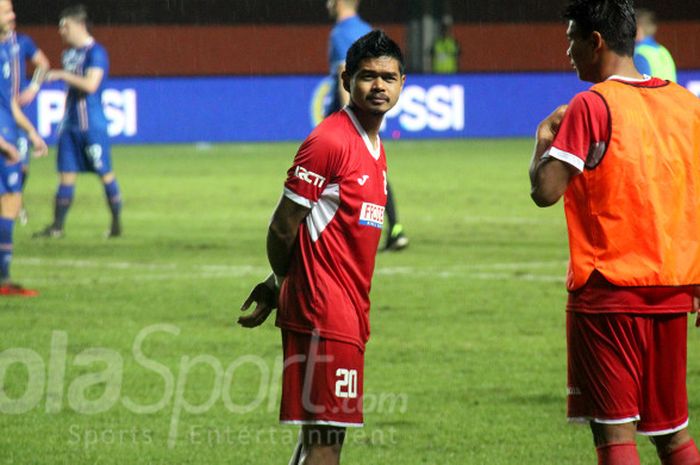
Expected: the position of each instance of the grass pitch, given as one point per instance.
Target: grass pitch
(131, 356)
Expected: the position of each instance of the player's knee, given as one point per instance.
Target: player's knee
(108, 177)
(667, 443)
(613, 434)
(327, 437)
(67, 178)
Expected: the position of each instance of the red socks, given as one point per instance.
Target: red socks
(687, 454)
(619, 454)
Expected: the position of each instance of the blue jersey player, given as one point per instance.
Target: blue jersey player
(83, 142)
(25, 91)
(11, 119)
(348, 28)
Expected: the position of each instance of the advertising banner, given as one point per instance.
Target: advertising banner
(286, 108)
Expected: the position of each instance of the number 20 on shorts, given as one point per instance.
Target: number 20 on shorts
(346, 384)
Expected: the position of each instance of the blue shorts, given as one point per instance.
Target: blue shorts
(81, 151)
(10, 173)
(10, 177)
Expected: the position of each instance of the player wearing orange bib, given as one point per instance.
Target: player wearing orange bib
(625, 156)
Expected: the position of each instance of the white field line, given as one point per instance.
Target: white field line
(173, 272)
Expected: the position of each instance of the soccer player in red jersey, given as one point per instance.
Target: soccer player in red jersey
(624, 155)
(321, 244)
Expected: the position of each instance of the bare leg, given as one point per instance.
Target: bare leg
(322, 445)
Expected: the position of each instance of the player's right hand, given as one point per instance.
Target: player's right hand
(40, 149)
(265, 298)
(548, 128)
(10, 152)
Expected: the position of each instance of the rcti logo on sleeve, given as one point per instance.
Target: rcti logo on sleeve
(309, 176)
(372, 215)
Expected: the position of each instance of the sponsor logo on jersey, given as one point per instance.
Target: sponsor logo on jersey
(372, 215)
(361, 181)
(309, 176)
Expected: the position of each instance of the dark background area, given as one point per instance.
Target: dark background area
(113, 12)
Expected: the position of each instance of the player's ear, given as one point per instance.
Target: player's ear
(597, 41)
(345, 77)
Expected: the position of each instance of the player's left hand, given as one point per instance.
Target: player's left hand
(265, 298)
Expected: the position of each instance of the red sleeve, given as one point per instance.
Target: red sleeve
(312, 170)
(584, 133)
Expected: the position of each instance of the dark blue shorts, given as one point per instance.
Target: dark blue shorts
(10, 177)
(84, 151)
(10, 174)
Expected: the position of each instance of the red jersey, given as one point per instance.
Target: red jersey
(582, 140)
(341, 177)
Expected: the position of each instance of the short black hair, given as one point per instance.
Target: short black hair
(613, 19)
(76, 12)
(374, 44)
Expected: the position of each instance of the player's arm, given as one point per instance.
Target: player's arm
(281, 236)
(88, 83)
(40, 148)
(41, 67)
(549, 177)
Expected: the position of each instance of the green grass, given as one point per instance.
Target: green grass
(467, 323)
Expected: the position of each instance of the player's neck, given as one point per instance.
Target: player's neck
(619, 66)
(83, 41)
(344, 14)
(370, 122)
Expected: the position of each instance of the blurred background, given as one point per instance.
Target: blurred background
(163, 37)
(510, 71)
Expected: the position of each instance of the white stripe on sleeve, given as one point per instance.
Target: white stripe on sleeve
(566, 157)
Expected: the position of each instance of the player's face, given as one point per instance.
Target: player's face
(69, 30)
(376, 85)
(7, 17)
(580, 52)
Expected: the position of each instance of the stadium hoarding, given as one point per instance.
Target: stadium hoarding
(284, 108)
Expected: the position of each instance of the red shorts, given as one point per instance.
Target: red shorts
(625, 368)
(321, 381)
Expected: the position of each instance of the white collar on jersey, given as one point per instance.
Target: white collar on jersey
(645, 78)
(365, 137)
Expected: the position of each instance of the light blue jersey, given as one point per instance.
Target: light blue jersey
(84, 111)
(343, 35)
